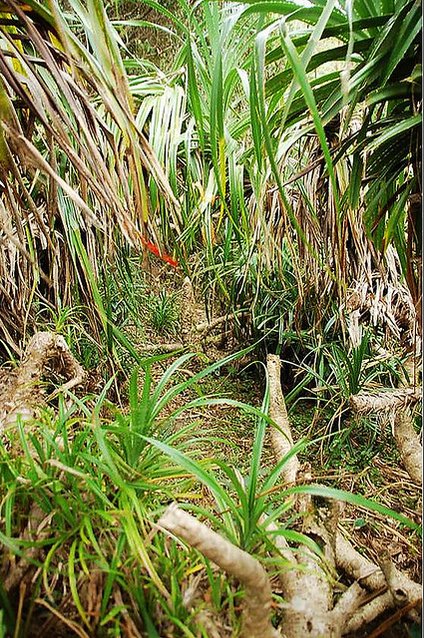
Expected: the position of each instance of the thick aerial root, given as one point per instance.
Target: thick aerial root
(384, 402)
(236, 562)
(396, 404)
(305, 614)
(281, 437)
(392, 587)
(47, 354)
(409, 446)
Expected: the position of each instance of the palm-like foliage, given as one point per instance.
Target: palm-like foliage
(307, 134)
(349, 78)
(74, 161)
(290, 135)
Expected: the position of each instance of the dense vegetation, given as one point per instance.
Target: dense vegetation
(233, 180)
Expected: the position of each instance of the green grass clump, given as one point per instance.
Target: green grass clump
(163, 309)
(80, 491)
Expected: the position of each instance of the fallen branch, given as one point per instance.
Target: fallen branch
(164, 347)
(257, 602)
(206, 326)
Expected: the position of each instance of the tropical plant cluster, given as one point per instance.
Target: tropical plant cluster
(272, 157)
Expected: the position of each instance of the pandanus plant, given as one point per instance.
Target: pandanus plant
(74, 161)
(349, 77)
(303, 145)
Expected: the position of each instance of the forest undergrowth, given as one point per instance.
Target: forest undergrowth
(210, 319)
(86, 563)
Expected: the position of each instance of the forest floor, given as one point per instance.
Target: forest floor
(359, 457)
